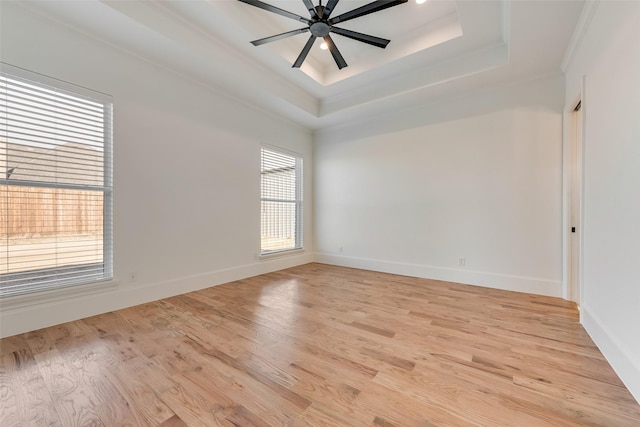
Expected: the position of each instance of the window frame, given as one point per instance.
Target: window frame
(106, 101)
(298, 201)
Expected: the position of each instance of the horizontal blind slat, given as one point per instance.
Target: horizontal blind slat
(15, 91)
(23, 112)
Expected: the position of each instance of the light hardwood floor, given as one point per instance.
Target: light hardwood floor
(321, 346)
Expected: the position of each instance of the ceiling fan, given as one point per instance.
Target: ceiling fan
(321, 24)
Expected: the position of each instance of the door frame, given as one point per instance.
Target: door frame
(573, 197)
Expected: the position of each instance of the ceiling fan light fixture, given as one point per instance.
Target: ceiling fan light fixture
(324, 46)
(421, 1)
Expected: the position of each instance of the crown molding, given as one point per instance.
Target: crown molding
(579, 33)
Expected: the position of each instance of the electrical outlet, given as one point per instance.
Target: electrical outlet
(133, 276)
(462, 262)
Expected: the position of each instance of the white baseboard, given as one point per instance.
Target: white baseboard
(30, 312)
(459, 275)
(626, 366)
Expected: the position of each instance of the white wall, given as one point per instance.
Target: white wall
(608, 58)
(186, 180)
(477, 178)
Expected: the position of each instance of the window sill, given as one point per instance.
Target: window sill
(280, 254)
(52, 295)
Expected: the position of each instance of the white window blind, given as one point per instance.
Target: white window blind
(55, 185)
(281, 185)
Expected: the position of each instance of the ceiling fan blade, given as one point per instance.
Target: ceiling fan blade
(304, 53)
(328, 8)
(277, 10)
(364, 38)
(337, 56)
(312, 9)
(279, 36)
(365, 10)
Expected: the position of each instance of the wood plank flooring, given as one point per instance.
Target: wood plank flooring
(318, 345)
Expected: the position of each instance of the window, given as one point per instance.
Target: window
(281, 185)
(55, 184)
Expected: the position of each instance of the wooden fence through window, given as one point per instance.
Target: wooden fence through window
(32, 212)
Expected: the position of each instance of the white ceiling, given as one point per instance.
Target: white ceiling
(438, 49)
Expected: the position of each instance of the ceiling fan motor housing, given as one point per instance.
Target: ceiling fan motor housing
(320, 29)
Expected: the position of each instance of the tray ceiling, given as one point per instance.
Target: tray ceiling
(440, 48)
